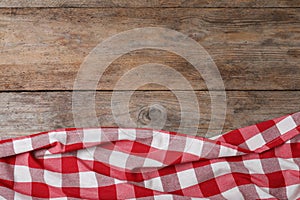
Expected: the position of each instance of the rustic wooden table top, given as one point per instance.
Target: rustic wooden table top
(255, 45)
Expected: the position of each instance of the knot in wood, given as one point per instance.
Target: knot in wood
(153, 116)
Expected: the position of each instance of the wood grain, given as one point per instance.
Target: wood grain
(23, 113)
(254, 49)
(146, 3)
(255, 45)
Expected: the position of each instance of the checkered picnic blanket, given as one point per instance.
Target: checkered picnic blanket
(256, 162)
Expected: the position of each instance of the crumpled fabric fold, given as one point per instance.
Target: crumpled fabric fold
(255, 162)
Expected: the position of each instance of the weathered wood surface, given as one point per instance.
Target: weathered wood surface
(146, 3)
(254, 49)
(257, 51)
(24, 113)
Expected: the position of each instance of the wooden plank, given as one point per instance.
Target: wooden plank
(29, 112)
(144, 3)
(254, 49)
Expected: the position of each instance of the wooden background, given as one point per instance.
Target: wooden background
(255, 44)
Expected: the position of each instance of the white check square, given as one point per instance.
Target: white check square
(60, 136)
(118, 159)
(226, 151)
(293, 191)
(19, 196)
(288, 164)
(86, 154)
(154, 184)
(255, 142)
(163, 197)
(160, 140)
(127, 134)
(263, 192)
(220, 168)
(254, 166)
(187, 178)
(118, 181)
(193, 146)
(22, 145)
(233, 193)
(152, 163)
(53, 178)
(286, 125)
(88, 180)
(22, 174)
(92, 135)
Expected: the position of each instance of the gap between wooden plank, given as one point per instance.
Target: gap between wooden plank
(138, 90)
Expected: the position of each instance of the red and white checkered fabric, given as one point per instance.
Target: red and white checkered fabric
(256, 162)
